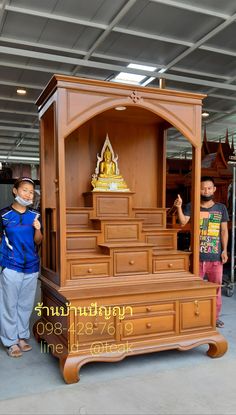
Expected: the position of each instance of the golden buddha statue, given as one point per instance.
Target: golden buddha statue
(107, 177)
(107, 167)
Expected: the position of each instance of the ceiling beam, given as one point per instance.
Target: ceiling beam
(218, 50)
(200, 73)
(16, 84)
(34, 114)
(110, 57)
(111, 67)
(152, 36)
(20, 129)
(89, 23)
(16, 100)
(191, 8)
(3, 9)
(51, 16)
(9, 122)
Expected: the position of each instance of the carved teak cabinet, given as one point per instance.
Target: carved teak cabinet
(113, 282)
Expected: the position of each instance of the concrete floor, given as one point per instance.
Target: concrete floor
(170, 382)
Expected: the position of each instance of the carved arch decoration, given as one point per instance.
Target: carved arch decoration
(82, 106)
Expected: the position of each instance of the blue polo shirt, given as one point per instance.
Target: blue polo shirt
(18, 249)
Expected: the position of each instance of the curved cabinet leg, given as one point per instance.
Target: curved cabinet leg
(69, 367)
(218, 347)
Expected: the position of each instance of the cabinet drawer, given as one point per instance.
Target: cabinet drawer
(90, 269)
(170, 264)
(89, 328)
(148, 326)
(153, 308)
(196, 314)
(136, 262)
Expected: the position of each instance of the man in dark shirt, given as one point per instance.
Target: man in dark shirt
(213, 236)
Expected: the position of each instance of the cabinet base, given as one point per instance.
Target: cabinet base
(70, 365)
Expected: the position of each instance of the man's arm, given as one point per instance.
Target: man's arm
(224, 241)
(182, 218)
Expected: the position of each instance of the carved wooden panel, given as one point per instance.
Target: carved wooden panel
(151, 217)
(162, 240)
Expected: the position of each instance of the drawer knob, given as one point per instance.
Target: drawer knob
(90, 270)
(148, 325)
(131, 262)
(170, 265)
(148, 309)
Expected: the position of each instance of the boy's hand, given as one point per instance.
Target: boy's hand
(178, 202)
(36, 223)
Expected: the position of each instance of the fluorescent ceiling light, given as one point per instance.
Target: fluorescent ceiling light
(142, 67)
(130, 78)
(205, 114)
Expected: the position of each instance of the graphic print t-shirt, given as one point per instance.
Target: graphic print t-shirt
(210, 221)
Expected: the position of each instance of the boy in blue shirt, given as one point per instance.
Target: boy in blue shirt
(21, 234)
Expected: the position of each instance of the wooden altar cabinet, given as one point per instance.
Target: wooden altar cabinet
(113, 282)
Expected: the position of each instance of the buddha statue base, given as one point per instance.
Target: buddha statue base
(102, 184)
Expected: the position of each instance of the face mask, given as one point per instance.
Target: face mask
(206, 198)
(23, 202)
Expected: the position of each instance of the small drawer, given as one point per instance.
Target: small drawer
(170, 264)
(97, 269)
(155, 325)
(136, 262)
(153, 308)
(196, 314)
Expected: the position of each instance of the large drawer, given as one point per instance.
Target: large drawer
(155, 325)
(133, 262)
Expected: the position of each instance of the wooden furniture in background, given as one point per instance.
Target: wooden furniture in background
(113, 282)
